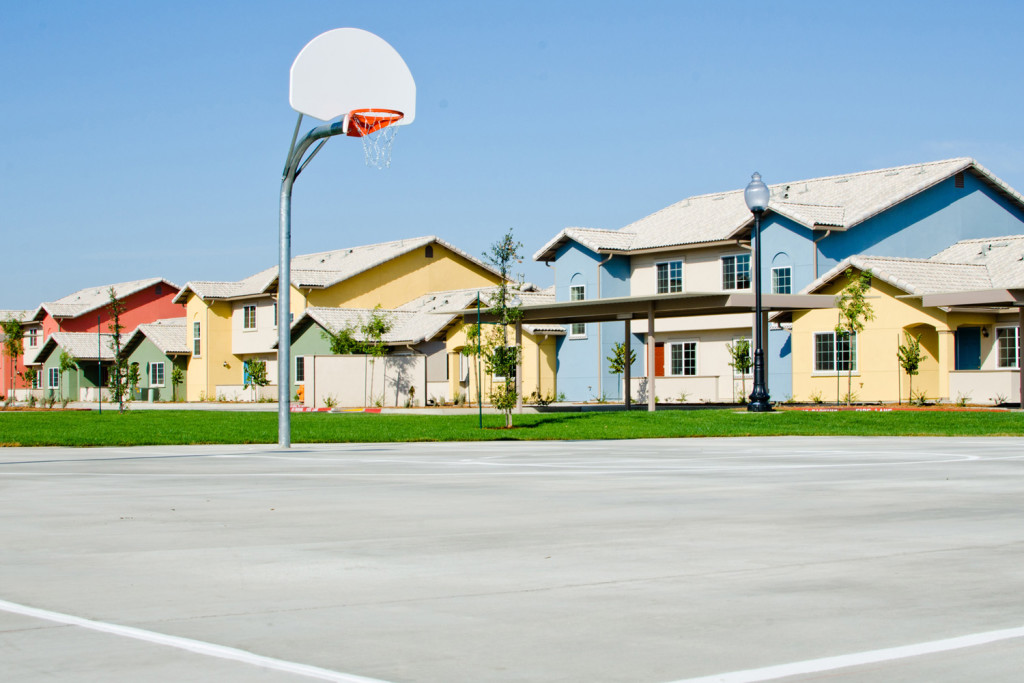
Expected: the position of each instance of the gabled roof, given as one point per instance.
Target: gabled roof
(20, 316)
(835, 202)
(169, 335)
(421, 319)
(967, 266)
(79, 345)
(320, 270)
(92, 298)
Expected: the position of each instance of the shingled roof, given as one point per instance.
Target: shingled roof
(967, 266)
(169, 335)
(92, 298)
(321, 270)
(79, 345)
(835, 202)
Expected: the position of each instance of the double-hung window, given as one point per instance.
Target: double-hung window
(835, 352)
(156, 374)
(578, 293)
(682, 358)
(782, 280)
(736, 272)
(670, 277)
(33, 338)
(197, 340)
(300, 369)
(249, 317)
(1007, 347)
(53, 378)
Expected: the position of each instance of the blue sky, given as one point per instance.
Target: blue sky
(146, 139)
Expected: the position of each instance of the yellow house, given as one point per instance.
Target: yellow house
(230, 323)
(963, 303)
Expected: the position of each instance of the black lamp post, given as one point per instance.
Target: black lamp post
(757, 195)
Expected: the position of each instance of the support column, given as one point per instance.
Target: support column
(519, 367)
(650, 358)
(1020, 353)
(626, 374)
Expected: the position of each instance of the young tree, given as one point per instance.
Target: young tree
(14, 344)
(854, 311)
(67, 364)
(503, 359)
(255, 375)
(473, 350)
(617, 362)
(910, 358)
(741, 362)
(177, 377)
(119, 380)
(374, 329)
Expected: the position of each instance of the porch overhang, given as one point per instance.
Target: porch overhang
(658, 305)
(995, 298)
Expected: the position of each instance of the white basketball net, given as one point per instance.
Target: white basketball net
(377, 147)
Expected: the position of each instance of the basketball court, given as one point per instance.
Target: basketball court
(659, 561)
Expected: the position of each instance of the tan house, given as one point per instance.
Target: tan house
(965, 305)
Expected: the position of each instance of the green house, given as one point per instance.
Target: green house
(92, 358)
(158, 348)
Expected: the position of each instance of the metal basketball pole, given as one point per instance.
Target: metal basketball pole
(292, 170)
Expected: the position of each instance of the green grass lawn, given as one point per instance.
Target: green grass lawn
(84, 428)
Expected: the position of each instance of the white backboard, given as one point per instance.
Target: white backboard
(349, 68)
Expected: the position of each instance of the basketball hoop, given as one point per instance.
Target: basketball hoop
(374, 127)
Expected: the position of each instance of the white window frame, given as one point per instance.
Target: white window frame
(53, 378)
(197, 339)
(1015, 335)
(299, 361)
(668, 276)
(33, 338)
(246, 320)
(153, 374)
(578, 330)
(835, 355)
(37, 381)
(735, 258)
(682, 344)
(275, 315)
(789, 279)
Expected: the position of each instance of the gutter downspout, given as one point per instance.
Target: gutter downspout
(600, 368)
(815, 249)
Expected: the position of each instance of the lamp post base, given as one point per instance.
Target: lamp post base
(759, 399)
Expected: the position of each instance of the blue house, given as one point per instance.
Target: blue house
(702, 244)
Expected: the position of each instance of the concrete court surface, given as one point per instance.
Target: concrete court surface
(856, 559)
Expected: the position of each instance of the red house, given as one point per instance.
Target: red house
(145, 301)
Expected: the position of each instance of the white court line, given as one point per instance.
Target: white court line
(771, 673)
(196, 646)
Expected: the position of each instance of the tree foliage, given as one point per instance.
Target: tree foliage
(374, 329)
(118, 380)
(14, 343)
(741, 361)
(503, 358)
(344, 342)
(67, 364)
(854, 311)
(910, 357)
(255, 375)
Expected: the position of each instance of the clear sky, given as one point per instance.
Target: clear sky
(144, 139)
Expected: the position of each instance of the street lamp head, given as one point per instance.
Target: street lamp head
(757, 194)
